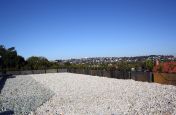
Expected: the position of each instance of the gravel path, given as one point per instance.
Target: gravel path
(84, 94)
(23, 94)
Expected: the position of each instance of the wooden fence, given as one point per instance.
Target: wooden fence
(165, 78)
(25, 72)
(138, 76)
(162, 78)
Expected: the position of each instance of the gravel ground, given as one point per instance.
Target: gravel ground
(23, 94)
(67, 93)
(84, 94)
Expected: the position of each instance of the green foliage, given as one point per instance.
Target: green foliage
(67, 64)
(149, 65)
(20, 62)
(122, 66)
(36, 63)
(53, 65)
(9, 59)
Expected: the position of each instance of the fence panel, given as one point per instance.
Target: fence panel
(165, 78)
(51, 71)
(26, 72)
(14, 72)
(142, 76)
(62, 70)
(106, 73)
(138, 76)
(38, 71)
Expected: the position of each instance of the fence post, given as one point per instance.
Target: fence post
(129, 74)
(123, 74)
(151, 77)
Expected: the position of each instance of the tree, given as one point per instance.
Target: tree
(2, 57)
(20, 62)
(123, 66)
(9, 59)
(36, 63)
(67, 64)
(149, 65)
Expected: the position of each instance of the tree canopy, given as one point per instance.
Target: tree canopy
(10, 60)
(36, 63)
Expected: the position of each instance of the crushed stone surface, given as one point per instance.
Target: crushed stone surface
(85, 94)
(23, 94)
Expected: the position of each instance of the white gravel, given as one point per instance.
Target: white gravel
(23, 94)
(84, 94)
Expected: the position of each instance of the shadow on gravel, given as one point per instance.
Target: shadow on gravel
(3, 79)
(7, 112)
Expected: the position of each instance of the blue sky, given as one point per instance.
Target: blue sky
(62, 29)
